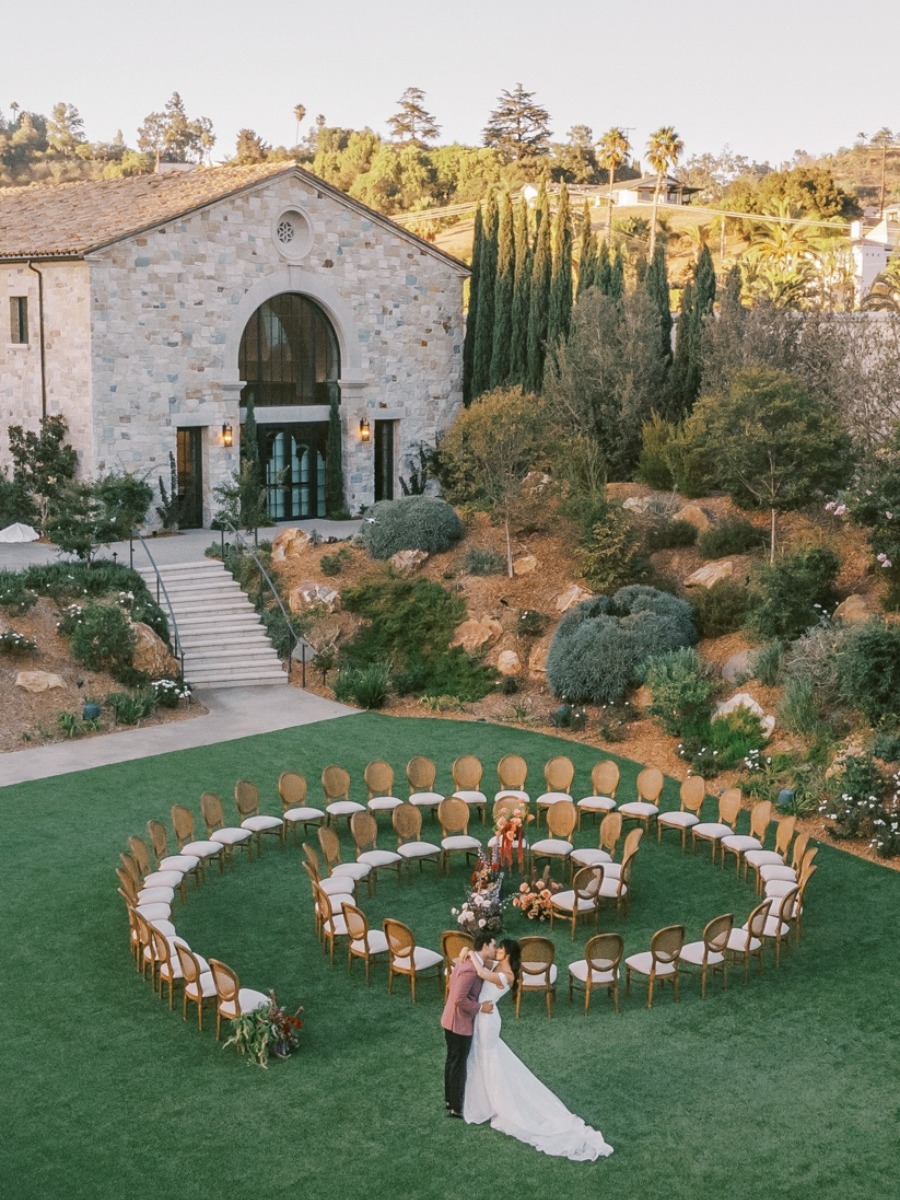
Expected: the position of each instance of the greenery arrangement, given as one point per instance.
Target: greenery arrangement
(264, 1032)
(411, 523)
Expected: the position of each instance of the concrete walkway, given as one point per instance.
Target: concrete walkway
(233, 713)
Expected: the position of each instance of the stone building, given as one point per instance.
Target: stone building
(147, 311)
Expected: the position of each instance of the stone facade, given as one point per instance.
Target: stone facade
(142, 337)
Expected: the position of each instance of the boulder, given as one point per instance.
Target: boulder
(739, 666)
(309, 594)
(288, 544)
(854, 610)
(694, 515)
(573, 595)
(536, 481)
(477, 633)
(710, 573)
(405, 562)
(151, 654)
(639, 504)
(509, 663)
(39, 681)
(525, 565)
(537, 657)
(745, 700)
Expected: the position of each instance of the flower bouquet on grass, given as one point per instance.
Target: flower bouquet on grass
(264, 1030)
(509, 834)
(482, 909)
(534, 896)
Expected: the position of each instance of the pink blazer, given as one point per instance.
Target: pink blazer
(462, 1000)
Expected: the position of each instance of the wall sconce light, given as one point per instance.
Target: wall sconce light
(365, 430)
(227, 435)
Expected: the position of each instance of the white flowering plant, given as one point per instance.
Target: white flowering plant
(867, 806)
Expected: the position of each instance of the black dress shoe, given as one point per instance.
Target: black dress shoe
(453, 1113)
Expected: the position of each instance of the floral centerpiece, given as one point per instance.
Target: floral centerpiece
(534, 896)
(509, 836)
(482, 909)
(264, 1030)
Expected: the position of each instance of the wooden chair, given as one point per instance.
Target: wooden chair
(709, 953)
(379, 778)
(406, 958)
(145, 948)
(538, 971)
(292, 788)
(231, 999)
(407, 822)
(754, 859)
(199, 985)
(581, 900)
(362, 942)
(453, 815)
(741, 844)
(330, 846)
(141, 898)
(747, 942)
(330, 917)
(692, 793)
(604, 785)
(421, 774)
(646, 807)
(616, 883)
(775, 885)
(659, 964)
(714, 831)
(137, 848)
(467, 772)
(246, 797)
(336, 786)
(776, 890)
(770, 872)
(187, 863)
(559, 773)
(188, 843)
(217, 831)
(512, 772)
(562, 817)
(334, 885)
(167, 964)
(610, 831)
(365, 834)
(781, 915)
(159, 914)
(599, 968)
(453, 942)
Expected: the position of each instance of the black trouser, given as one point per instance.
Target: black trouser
(455, 1068)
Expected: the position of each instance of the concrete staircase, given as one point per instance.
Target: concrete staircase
(224, 642)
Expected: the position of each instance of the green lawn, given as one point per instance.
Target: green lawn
(785, 1087)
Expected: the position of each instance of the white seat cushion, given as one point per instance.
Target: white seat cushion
(379, 858)
(739, 942)
(336, 901)
(549, 798)
(776, 871)
(344, 808)
(203, 849)
(597, 803)
(262, 824)
(205, 986)
(776, 928)
(180, 862)
(170, 879)
(512, 794)
(418, 849)
(693, 953)
(156, 895)
(303, 814)
(334, 885)
(378, 943)
(154, 912)
(679, 820)
(355, 870)
(712, 830)
(643, 964)
(590, 858)
(471, 797)
(528, 982)
(423, 958)
(579, 970)
(232, 837)
(776, 888)
(460, 841)
(741, 843)
(763, 858)
(166, 928)
(611, 888)
(556, 846)
(638, 808)
(426, 799)
(335, 923)
(567, 901)
(248, 1000)
(384, 803)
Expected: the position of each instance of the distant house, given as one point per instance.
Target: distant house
(149, 311)
(871, 249)
(624, 191)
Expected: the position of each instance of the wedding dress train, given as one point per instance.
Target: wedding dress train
(501, 1089)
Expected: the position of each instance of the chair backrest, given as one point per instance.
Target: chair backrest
(356, 922)
(587, 882)
(407, 822)
(760, 819)
(330, 844)
(610, 832)
(756, 922)
(189, 963)
(292, 789)
(213, 813)
(364, 829)
(420, 774)
(604, 952)
(467, 773)
(144, 931)
(246, 797)
(453, 815)
(632, 841)
(650, 784)
(226, 982)
(324, 903)
(127, 885)
(512, 771)
(786, 904)
(506, 806)
(400, 938)
(453, 942)
(161, 951)
(183, 824)
(666, 944)
(538, 956)
(311, 857)
(138, 848)
(159, 840)
(379, 777)
(335, 783)
(562, 817)
(130, 867)
(783, 834)
(730, 806)
(313, 874)
(717, 932)
(800, 844)
(605, 779)
(692, 793)
(559, 773)
(807, 868)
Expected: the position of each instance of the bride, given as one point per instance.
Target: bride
(501, 1089)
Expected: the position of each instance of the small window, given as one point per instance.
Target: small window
(18, 319)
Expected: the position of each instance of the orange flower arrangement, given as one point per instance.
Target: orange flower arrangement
(534, 896)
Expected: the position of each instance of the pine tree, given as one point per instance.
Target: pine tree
(504, 286)
(656, 282)
(518, 127)
(539, 301)
(561, 279)
(521, 296)
(472, 313)
(334, 469)
(484, 329)
(588, 262)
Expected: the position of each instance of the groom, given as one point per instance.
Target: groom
(458, 1020)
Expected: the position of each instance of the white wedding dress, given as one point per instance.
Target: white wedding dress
(501, 1089)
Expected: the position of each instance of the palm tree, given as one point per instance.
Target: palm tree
(663, 149)
(614, 149)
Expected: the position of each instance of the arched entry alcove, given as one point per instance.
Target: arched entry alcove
(289, 359)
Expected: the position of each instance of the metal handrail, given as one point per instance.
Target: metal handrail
(272, 588)
(179, 650)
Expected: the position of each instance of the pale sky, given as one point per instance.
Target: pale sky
(767, 77)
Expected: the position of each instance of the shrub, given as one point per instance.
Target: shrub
(721, 608)
(865, 805)
(531, 623)
(868, 668)
(799, 708)
(724, 744)
(168, 692)
(609, 559)
(413, 523)
(16, 643)
(14, 594)
(102, 638)
(600, 646)
(670, 534)
(130, 707)
(483, 562)
(767, 663)
(508, 685)
(682, 690)
(887, 745)
(365, 686)
(63, 581)
(795, 593)
(734, 535)
(653, 465)
(333, 564)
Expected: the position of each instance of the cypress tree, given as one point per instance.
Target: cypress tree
(587, 258)
(504, 286)
(561, 278)
(472, 314)
(681, 380)
(657, 284)
(704, 284)
(484, 331)
(603, 270)
(334, 470)
(617, 275)
(539, 301)
(521, 296)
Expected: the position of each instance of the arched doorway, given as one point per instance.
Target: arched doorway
(289, 359)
